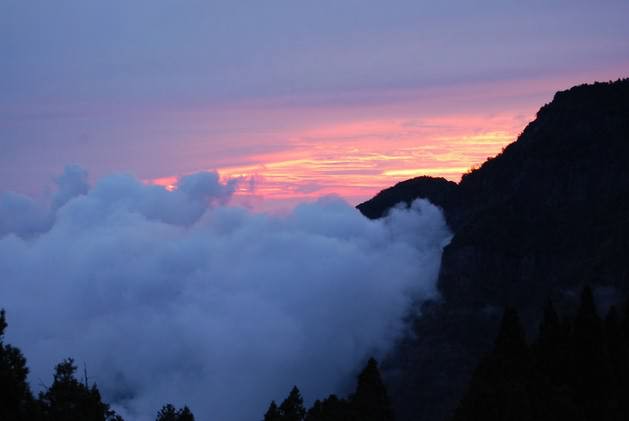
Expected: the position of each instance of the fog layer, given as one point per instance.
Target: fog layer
(178, 297)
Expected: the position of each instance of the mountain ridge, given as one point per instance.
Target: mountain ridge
(540, 220)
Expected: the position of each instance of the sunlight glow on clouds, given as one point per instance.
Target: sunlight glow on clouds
(357, 158)
(287, 148)
(301, 98)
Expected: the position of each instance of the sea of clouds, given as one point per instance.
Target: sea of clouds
(175, 296)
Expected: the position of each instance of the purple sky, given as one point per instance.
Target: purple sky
(287, 100)
(318, 89)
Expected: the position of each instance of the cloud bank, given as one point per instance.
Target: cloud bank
(178, 297)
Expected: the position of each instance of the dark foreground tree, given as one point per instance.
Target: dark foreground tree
(68, 399)
(292, 409)
(591, 369)
(576, 370)
(16, 399)
(170, 413)
(273, 413)
(498, 390)
(371, 402)
(330, 409)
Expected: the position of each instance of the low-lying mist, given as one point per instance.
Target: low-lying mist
(178, 297)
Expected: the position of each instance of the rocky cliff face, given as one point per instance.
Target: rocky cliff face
(546, 216)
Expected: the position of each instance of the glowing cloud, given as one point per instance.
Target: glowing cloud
(358, 158)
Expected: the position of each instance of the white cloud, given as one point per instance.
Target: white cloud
(168, 299)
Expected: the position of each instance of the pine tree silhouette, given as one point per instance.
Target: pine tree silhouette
(16, 399)
(622, 357)
(575, 371)
(292, 409)
(67, 399)
(592, 373)
(185, 414)
(371, 402)
(549, 385)
(170, 413)
(552, 346)
(499, 389)
(273, 413)
(167, 413)
(617, 353)
(330, 409)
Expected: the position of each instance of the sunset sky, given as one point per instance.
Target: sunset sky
(296, 98)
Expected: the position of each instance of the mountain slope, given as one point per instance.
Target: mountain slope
(540, 220)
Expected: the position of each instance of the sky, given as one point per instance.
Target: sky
(293, 99)
(129, 129)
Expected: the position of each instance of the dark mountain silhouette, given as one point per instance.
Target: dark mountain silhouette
(539, 221)
(440, 191)
(545, 224)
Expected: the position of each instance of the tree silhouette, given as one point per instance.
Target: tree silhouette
(185, 414)
(330, 409)
(170, 413)
(273, 413)
(499, 386)
(167, 413)
(371, 402)
(552, 346)
(577, 370)
(292, 409)
(67, 399)
(592, 373)
(16, 399)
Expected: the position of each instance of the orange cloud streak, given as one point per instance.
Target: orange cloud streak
(358, 158)
(354, 145)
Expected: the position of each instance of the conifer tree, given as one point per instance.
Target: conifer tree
(510, 344)
(552, 346)
(67, 399)
(625, 319)
(550, 328)
(618, 359)
(330, 409)
(16, 399)
(623, 361)
(580, 370)
(315, 413)
(592, 374)
(273, 413)
(499, 389)
(371, 402)
(612, 331)
(170, 413)
(167, 413)
(185, 414)
(549, 386)
(292, 409)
